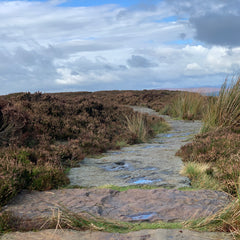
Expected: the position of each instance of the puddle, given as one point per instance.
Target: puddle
(143, 216)
(152, 163)
(150, 168)
(168, 135)
(152, 146)
(118, 166)
(143, 180)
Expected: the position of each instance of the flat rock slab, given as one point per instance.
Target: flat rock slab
(159, 234)
(131, 205)
(152, 163)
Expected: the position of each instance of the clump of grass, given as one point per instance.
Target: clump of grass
(226, 220)
(201, 175)
(224, 111)
(142, 126)
(8, 222)
(125, 188)
(121, 144)
(136, 124)
(187, 106)
(85, 221)
(218, 146)
(160, 127)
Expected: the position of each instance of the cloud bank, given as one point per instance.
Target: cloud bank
(46, 46)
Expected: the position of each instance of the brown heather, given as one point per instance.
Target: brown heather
(218, 146)
(41, 135)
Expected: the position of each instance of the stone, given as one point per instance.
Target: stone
(132, 205)
(159, 234)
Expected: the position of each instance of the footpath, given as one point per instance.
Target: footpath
(153, 163)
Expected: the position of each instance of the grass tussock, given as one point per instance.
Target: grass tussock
(200, 176)
(8, 222)
(226, 220)
(85, 221)
(224, 111)
(137, 126)
(63, 218)
(187, 106)
(140, 130)
(218, 148)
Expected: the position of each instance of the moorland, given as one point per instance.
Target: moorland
(43, 135)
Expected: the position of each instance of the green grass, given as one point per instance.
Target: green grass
(121, 144)
(201, 176)
(86, 221)
(160, 127)
(125, 188)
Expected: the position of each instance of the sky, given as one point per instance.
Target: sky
(86, 45)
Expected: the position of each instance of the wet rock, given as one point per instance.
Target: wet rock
(159, 234)
(147, 163)
(131, 205)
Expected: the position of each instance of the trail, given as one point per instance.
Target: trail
(152, 163)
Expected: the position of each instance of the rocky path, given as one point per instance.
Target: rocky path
(151, 163)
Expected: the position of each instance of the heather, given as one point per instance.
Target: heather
(219, 143)
(215, 154)
(41, 135)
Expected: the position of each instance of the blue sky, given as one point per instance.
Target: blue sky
(123, 3)
(58, 45)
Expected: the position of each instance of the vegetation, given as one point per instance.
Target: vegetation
(41, 135)
(187, 106)
(213, 158)
(85, 221)
(200, 175)
(226, 220)
(64, 218)
(224, 111)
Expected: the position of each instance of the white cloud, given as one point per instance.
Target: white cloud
(50, 48)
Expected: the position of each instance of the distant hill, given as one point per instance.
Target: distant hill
(203, 90)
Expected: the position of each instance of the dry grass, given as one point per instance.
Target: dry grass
(224, 111)
(200, 175)
(226, 220)
(136, 124)
(219, 147)
(187, 106)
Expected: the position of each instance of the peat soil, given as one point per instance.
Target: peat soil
(153, 163)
